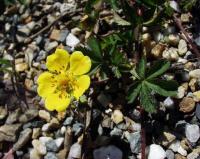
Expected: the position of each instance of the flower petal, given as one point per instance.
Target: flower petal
(45, 84)
(55, 102)
(58, 61)
(83, 83)
(79, 64)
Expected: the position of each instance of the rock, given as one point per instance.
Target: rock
(13, 117)
(45, 139)
(181, 92)
(182, 151)
(50, 155)
(34, 154)
(3, 112)
(21, 67)
(167, 138)
(117, 116)
(50, 45)
(24, 30)
(72, 40)
(170, 154)
(156, 152)
(29, 115)
(24, 138)
(182, 47)
(174, 5)
(195, 73)
(70, 6)
(192, 132)
(192, 155)
(116, 132)
(63, 130)
(68, 121)
(76, 31)
(135, 142)
(178, 156)
(55, 34)
(197, 112)
(39, 146)
(196, 96)
(185, 17)
(59, 142)
(158, 36)
(63, 35)
(173, 39)
(51, 146)
(157, 50)
(36, 133)
(75, 151)
(43, 114)
(193, 84)
(77, 128)
(103, 99)
(174, 146)
(170, 54)
(187, 104)
(168, 103)
(110, 151)
(8, 132)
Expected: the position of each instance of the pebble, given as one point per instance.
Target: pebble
(135, 142)
(24, 138)
(174, 5)
(77, 128)
(43, 114)
(168, 103)
(75, 151)
(174, 146)
(29, 115)
(167, 138)
(181, 92)
(21, 67)
(59, 142)
(192, 132)
(116, 132)
(36, 133)
(156, 152)
(51, 146)
(34, 154)
(110, 151)
(117, 116)
(157, 50)
(197, 111)
(13, 116)
(72, 40)
(50, 45)
(68, 121)
(182, 47)
(8, 132)
(178, 156)
(3, 112)
(173, 39)
(192, 155)
(195, 73)
(39, 147)
(50, 155)
(187, 104)
(169, 154)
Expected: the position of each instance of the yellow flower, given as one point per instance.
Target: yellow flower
(65, 79)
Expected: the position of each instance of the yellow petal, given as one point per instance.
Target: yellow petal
(58, 61)
(83, 83)
(55, 102)
(79, 64)
(46, 84)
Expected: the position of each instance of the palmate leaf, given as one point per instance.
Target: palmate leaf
(147, 100)
(158, 68)
(160, 90)
(133, 92)
(141, 68)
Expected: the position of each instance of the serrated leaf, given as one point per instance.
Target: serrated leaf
(120, 21)
(5, 62)
(169, 85)
(158, 68)
(147, 100)
(116, 72)
(133, 92)
(160, 90)
(141, 67)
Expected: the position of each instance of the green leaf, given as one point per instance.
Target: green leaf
(158, 89)
(94, 45)
(147, 100)
(89, 5)
(116, 72)
(133, 92)
(158, 68)
(120, 21)
(5, 62)
(141, 67)
(114, 4)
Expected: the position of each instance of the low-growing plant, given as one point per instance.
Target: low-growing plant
(148, 83)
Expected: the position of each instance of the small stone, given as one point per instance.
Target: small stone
(55, 34)
(181, 92)
(36, 133)
(3, 113)
(51, 146)
(174, 5)
(173, 39)
(116, 132)
(167, 138)
(170, 154)
(29, 115)
(174, 146)
(39, 146)
(187, 104)
(185, 18)
(76, 31)
(50, 46)
(44, 139)
(50, 155)
(63, 35)
(62, 154)
(77, 128)
(8, 132)
(178, 156)
(75, 151)
(43, 114)
(21, 67)
(103, 152)
(182, 151)
(196, 96)
(193, 155)
(170, 54)
(193, 84)
(192, 132)
(156, 152)
(158, 36)
(63, 130)
(117, 116)
(168, 103)
(34, 154)
(135, 142)
(195, 74)
(72, 40)
(24, 30)
(13, 117)
(59, 142)
(197, 112)
(182, 47)
(157, 50)
(68, 121)
(24, 138)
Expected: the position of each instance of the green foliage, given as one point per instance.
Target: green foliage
(148, 83)
(4, 65)
(106, 56)
(11, 2)
(187, 5)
